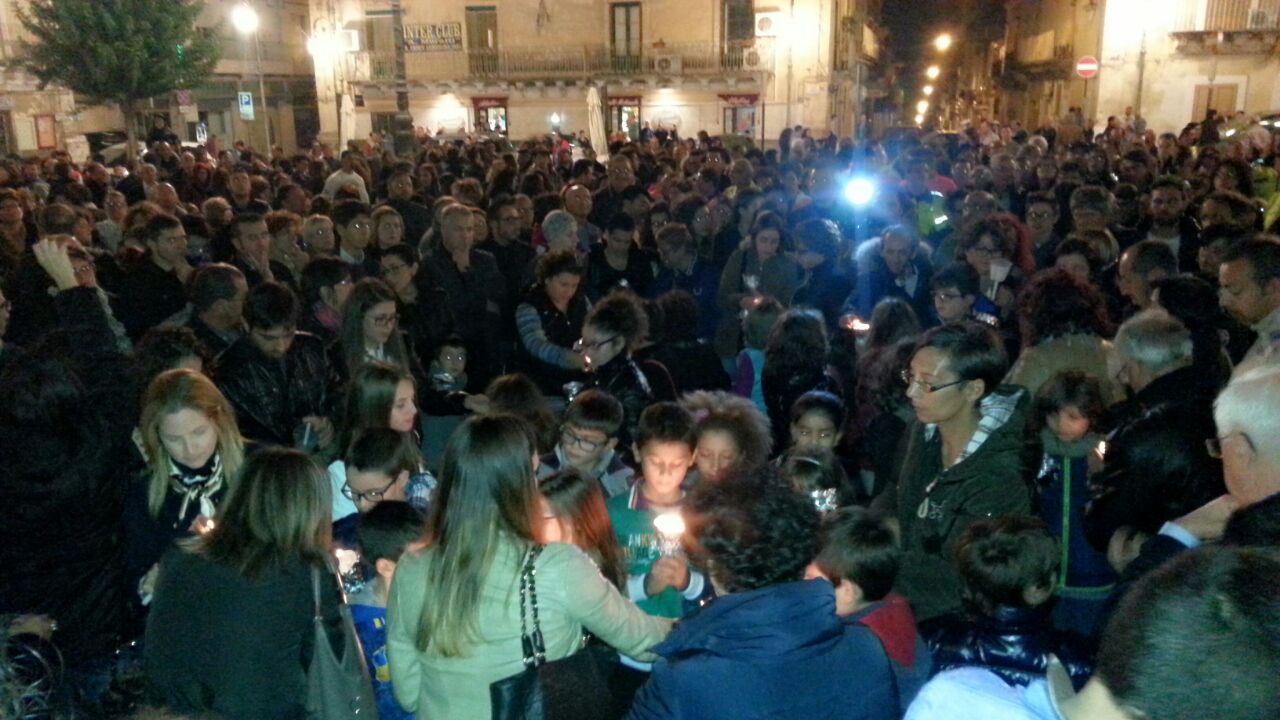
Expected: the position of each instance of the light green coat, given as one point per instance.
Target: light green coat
(572, 595)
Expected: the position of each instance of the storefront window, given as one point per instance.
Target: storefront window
(740, 120)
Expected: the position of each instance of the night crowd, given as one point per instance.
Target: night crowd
(972, 425)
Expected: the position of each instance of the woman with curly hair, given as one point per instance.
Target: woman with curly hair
(616, 326)
(795, 362)
(1064, 327)
(731, 433)
(779, 649)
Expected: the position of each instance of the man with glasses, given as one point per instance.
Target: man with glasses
(1042, 221)
(962, 461)
(588, 437)
(275, 377)
(508, 248)
(252, 243)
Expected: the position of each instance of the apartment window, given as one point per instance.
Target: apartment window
(739, 20)
(624, 35)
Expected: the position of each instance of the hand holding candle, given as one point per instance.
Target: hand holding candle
(669, 527)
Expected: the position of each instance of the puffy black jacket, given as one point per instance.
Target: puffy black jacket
(1014, 643)
(271, 397)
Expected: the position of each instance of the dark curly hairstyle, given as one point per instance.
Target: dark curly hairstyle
(1055, 302)
(162, 348)
(558, 262)
(797, 345)
(754, 530)
(620, 313)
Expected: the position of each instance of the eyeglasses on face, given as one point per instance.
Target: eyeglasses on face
(385, 320)
(569, 437)
(914, 382)
(369, 496)
(582, 343)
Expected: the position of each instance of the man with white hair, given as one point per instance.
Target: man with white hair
(1248, 441)
(1153, 359)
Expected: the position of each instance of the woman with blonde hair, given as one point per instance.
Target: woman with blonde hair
(230, 631)
(453, 617)
(193, 451)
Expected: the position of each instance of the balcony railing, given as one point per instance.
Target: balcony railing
(1228, 15)
(567, 62)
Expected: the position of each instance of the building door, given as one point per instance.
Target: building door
(1214, 97)
(482, 39)
(624, 36)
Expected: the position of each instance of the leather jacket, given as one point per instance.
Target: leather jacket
(271, 397)
(622, 378)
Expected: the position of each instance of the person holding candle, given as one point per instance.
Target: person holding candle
(771, 644)
(659, 583)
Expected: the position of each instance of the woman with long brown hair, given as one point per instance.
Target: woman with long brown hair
(453, 613)
(230, 628)
(576, 514)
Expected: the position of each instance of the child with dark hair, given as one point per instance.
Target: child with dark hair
(756, 325)
(1068, 415)
(1008, 569)
(859, 556)
(664, 449)
(385, 532)
(588, 442)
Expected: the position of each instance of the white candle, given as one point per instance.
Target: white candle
(669, 526)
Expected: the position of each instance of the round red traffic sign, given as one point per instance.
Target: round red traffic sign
(1087, 66)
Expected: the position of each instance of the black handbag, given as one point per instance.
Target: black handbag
(572, 688)
(338, 688)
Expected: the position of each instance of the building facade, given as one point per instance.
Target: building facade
(34, 120)
(1167, 60)
(523, 67)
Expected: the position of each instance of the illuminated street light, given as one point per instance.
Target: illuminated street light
(927, 90)
(919, 119)
(245, 19)
(942, 42)
(933, 72)
(922, 106)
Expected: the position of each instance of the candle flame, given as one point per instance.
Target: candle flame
(669, 524)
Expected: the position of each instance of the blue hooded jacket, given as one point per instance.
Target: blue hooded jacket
(779, 652)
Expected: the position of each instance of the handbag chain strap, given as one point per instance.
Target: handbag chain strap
(535, 652)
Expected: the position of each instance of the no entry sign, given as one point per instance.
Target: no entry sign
(1087, 66)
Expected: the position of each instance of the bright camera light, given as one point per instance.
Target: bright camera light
(860, 191)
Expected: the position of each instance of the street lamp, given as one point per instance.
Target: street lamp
(942, 42)
(919, 119)
(246, 21)
(927, 90)
(933, 72)
(922, 107)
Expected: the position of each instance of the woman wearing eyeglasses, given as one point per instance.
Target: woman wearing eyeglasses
(963, 457)
(613, 328)
(371, 331)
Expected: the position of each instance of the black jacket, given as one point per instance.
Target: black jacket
(271, 397)
(148, 296)
(61, 540)
(622, 378)
(475, 299)
(1014, 643)
(218, 642)
(559, 328)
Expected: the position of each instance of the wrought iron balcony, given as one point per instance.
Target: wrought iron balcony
(1214, 16)
(563, 62)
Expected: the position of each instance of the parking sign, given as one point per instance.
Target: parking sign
(246, 106)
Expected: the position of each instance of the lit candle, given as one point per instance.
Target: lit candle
(1102, 448)
(669, 526)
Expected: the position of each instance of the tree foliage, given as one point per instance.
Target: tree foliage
(117, 50)
(121, 51)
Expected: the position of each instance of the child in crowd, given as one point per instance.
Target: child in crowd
(957, 297)
(381, 465)
(1008, 569)
(385, 532)
(588, 438)
(730, 433)
(449, 367)
(859, 555)
(1068, 414)
(665, 443)
(816, 473)
(756, 325)
(575, 514)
